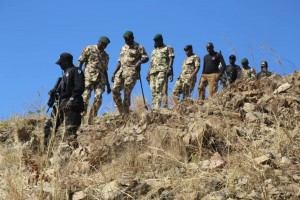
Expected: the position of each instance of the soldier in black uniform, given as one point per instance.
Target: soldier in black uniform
(69, 106)
(232, 72)
(264, 70)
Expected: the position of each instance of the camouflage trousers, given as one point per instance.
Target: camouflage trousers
(98, 87)
(158, 83)
(208, 79)
(183, 86)
(123, 81)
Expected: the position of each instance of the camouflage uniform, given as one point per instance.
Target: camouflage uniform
(248, 73)
(159, 69)
(126, 76)
(94, 72)
(264, 74)
(183, 84)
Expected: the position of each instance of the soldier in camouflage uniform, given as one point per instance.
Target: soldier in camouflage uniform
(127, 71)
(264, 70)
(247, 72)
(95, 73)
(162, 59)
(188, 76)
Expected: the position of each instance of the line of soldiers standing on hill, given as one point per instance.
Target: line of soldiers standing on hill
(76, 85)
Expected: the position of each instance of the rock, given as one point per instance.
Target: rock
(250, 117)
(140, 138)
(216, 161)
(111, 190)
(296, 178)
(78, 195)
(285, 161)
(219, 195)
(262, 159)
(282, 88)
(248, 107)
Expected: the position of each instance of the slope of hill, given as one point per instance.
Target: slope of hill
(243, 144)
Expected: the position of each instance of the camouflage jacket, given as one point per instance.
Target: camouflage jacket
(248, 73)
(263, 74)
(160, 58)
(130, 55)
(188, 67)
(96, 62)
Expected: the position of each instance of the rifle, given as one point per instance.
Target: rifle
(53, 94)
(146, 107)
(225, 75)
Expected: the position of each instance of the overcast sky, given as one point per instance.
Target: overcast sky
(34, 33)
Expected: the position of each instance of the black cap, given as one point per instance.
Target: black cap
(232, 57)
(188, 47)
(64, 57)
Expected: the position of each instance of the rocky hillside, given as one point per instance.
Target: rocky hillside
(243, 144)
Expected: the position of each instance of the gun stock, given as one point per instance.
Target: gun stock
(53, 94)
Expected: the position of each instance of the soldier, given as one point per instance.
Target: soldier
(127, 71)
(232, 72)
(188, 76)
(69, 106)
(264, 70)
(211, 73)
(247, 72)
(162, 58)
(95, 73)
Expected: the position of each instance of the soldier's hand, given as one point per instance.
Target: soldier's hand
(171, 78)
(138, 65)
(113, 78)
(69, 105)
(108, 89)
(148, 78)
(218, 78)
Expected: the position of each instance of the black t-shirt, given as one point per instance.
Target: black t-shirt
(211, 63)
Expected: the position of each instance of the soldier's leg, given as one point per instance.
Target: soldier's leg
(188, 88)
(116, 92)
(129, 84)
(177, 91)
(165, 93)
(153, 89)
(99, 89)
(201, 87)
(213, 84)
(89, 85)
(72, 124)
(161, 86)
(52, 124)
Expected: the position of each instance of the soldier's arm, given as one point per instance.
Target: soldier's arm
(144, 56)
(83, 57)
(80, 63)
(222, 61)
(116, 70)
(197, 67)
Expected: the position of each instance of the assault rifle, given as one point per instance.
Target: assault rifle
(53, 94)
(225, 79)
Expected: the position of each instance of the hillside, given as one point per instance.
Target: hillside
(243, 144)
